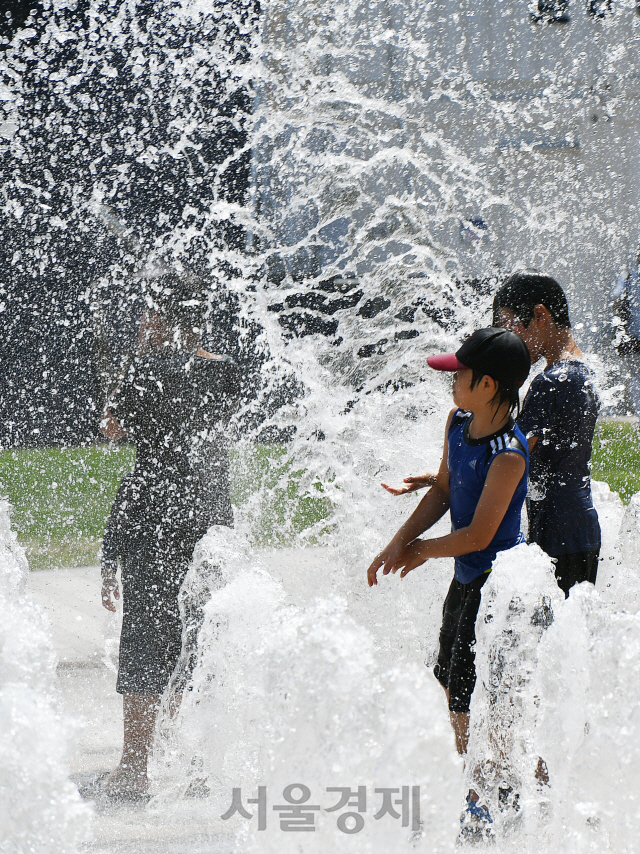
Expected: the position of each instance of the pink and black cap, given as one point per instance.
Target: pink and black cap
(498, 353)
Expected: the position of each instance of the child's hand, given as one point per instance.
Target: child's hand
(412, 556)
(387, 557)
(110, 426)
(414, 483)
(110, 592)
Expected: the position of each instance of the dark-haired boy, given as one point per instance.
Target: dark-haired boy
(558, 418)
(482, 480)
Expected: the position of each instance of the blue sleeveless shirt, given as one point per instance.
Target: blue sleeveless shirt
(469, 461)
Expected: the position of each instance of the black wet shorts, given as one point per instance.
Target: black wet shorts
(574, 568)
(456, 666)
(151, 638)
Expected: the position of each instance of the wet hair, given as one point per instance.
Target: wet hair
(506, 392)
(180, 299)
(522, 292)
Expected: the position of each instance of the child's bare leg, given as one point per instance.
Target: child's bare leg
(140, 713)
(460, 724)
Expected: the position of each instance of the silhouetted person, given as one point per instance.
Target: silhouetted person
(173, 402)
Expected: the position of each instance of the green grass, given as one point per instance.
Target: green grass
(616, 457)
(280, 499)
(61, 498)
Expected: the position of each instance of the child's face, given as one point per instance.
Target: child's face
(472, 399)
(529, 334)
(154, 331)
(462, 392)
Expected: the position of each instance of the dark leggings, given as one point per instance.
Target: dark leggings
(574, 568)
(456, 666)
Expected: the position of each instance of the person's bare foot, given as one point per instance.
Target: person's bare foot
(125, 783)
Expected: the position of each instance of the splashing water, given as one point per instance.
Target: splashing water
(40, 809)
(356, 180)
(284, 694)
(290, 691)
(555, 684)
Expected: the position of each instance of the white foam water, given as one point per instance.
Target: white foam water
(556, 685)
(40, 809)
(284, 694)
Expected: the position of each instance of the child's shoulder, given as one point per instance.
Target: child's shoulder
(457, 416)
(561, 382)
(573, 371)
(509, 438)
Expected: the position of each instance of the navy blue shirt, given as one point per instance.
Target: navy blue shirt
(469, 461)
(561, 408)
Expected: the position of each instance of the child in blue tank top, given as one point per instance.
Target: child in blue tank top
(482, 481)
(468, 461)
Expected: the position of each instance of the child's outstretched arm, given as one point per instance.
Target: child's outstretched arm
(503, 477)
(413, 483)
(432, 508)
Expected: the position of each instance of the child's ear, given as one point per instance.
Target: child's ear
(541, 313)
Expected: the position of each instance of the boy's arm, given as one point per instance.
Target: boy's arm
(414, 482)
(109, 557)
(502, 480)
(109, 563)
(432, 508)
